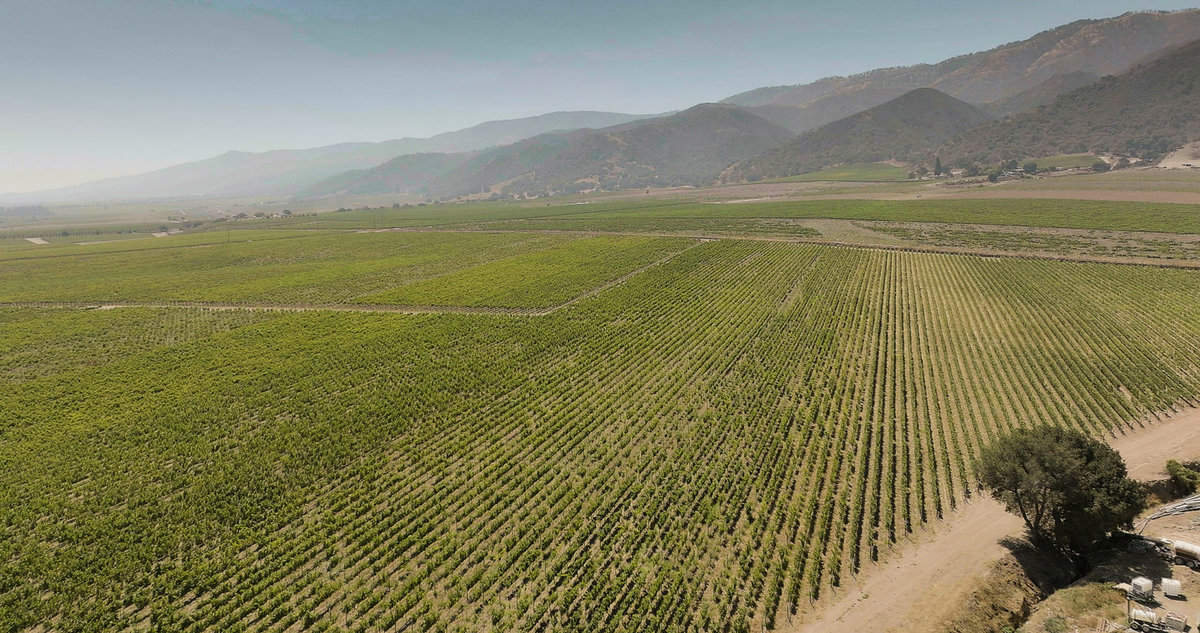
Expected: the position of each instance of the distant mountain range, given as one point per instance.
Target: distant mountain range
(1094, 47)
(690, 147)
(1146, 112)
(409, 173)
(908, 128)
(286, 172)
(894, 114)
(1048, 88)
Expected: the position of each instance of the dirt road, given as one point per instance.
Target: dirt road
(1174, 197)
(905, 190)
(1185, 157)
(920, 586)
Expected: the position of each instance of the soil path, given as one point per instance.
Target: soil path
(1147, 450)
(903, 190)
(1099, 195)
(920, 586)
(1185, 157)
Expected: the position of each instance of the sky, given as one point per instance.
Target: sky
(98, 88)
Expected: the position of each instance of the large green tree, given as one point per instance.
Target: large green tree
(1070, 489)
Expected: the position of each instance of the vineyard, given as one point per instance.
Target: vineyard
(537, 279)
(710, 444)
(339, 267)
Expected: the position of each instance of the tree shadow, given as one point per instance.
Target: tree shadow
(1163, 491)
(1114, 562)
(1048, 570)
(1119, 563)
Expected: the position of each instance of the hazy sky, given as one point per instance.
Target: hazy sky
(95, 88)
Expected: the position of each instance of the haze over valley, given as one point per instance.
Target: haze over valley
(517, 156)
(659, 317)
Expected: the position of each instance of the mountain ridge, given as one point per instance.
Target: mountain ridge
(1094, 46)
(1145, 112)
(1004, 80)
(283, 172)
(1042, 94)
(907, 128)
(686, 148)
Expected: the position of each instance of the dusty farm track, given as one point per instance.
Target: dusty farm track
(901, 190)
(1115, 195)
(922, 584)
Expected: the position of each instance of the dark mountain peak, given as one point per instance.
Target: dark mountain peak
(713, 107)
(926, 108)
(906, 128)
(924, 97)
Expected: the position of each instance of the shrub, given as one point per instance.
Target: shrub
(1184, 480)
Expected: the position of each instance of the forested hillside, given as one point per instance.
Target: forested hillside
(1146, 112)
(908, 128)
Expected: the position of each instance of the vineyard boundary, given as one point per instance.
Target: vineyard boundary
(350, 307)
(931, 250)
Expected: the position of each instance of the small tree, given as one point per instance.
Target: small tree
(1071, 490)
(1030, 167)
(1100, 166)
(937, 165)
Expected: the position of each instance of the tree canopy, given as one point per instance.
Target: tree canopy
(1071, 490)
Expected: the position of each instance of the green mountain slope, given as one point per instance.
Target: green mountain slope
(404, 174)
(1145, 112)
(907, 128)
(1042, 94)
(691, 147)
(1095, 47)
